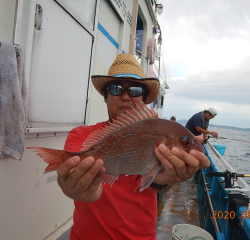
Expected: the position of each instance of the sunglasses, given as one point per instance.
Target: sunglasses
(212, 115)
(118, 90)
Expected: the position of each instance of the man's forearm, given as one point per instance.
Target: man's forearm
(201, 130)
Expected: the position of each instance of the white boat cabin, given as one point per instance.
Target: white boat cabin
(64, 42)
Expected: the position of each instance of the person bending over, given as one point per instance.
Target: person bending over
(199, 122)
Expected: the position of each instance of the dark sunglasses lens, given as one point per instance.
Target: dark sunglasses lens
(135, 91)
(116, 90)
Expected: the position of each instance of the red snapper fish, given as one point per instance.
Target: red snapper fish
(127, 145)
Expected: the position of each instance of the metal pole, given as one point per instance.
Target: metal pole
(210, 203)
(133, 28)
(18, 22)
(147, 66)
(159, 67)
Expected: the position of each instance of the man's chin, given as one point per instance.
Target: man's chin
(124, 110)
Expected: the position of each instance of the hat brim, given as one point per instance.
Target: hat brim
(211, 112)
(152, 84)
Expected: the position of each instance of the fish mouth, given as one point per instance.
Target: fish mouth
(125, 108)
(199, 148)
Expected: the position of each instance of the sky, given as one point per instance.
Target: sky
(206, 54)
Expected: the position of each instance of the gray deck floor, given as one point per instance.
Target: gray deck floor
(177, 206)
(65, 235)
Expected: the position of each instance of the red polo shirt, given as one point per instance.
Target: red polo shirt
(120, 213)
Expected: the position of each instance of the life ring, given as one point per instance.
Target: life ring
(151, 50)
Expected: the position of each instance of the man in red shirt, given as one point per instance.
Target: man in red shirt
(120, 213)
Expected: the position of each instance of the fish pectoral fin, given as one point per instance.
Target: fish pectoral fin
(146, 182)
(147, 179)
(110, 179)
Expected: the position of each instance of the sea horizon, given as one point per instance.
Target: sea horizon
(184, 121)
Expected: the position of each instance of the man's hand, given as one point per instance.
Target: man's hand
(81, 181)
(200, 138)
(178, 164)
(214, 134)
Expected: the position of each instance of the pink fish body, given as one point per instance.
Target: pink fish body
(127, 145)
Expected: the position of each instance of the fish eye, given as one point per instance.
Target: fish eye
(186, 141)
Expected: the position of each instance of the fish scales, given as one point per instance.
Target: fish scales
(127, 145)
(129, 151)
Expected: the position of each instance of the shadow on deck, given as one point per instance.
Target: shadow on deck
(177, 206)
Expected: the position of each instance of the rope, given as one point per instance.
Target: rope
(234, 139)
(227, 138)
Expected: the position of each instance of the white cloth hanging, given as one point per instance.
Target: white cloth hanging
(13, 94)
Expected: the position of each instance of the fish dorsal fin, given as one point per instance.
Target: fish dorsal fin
(96, 136)
(135, 114)
(138, 113)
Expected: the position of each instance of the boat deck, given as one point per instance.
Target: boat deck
(177, 206)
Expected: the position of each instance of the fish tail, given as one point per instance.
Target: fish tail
(53, 157)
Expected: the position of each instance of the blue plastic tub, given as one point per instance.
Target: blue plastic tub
(221, 149)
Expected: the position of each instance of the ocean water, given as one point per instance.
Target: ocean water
(237, 153)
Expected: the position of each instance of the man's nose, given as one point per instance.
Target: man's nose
(125, 95)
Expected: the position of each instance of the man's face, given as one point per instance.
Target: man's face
(120, 104)
(208, 116)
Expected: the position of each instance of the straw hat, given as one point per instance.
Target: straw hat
(126, 67)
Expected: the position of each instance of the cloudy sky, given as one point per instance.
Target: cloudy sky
(206, 53)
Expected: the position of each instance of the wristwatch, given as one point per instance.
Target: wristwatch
(157, 186)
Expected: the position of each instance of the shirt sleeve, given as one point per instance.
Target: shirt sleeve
(198, 121)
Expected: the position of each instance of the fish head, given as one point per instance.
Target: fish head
(188, 142)
(178, 136)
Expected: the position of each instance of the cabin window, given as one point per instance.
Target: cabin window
(82, 10)
(139, 36)
(162, 101)
(142, 35)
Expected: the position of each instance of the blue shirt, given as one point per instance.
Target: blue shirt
(196, 121)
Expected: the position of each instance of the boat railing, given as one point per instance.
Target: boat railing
(225, 200)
